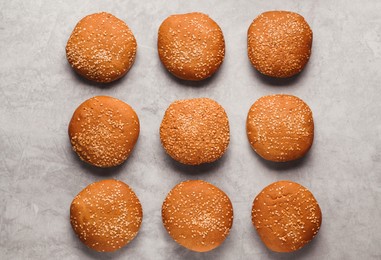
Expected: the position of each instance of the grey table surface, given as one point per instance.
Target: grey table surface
(40, 174)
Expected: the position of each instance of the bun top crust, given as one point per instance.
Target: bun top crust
(103, 131)
(195, 131)
(106, 215)
(286, 216)
(197, 215)
(191, 46)
(280, 127)
(101, 48)
(279, 43)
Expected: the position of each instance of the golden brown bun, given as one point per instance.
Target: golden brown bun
(195, 131)
(280, 128)
(101, 48)
(191, 46)
(286, 216)
(279, 43)
(197, 215)
(103, 131)
(106, 215)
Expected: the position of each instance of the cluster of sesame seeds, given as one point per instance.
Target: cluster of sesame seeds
(195, 131)
(191, 46)
(197, 215)
(101, 47)
(106, 215)
(103, 131)
(280, 127)
(279, 43)
(286, 216)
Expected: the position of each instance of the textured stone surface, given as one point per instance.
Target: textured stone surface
(40, 174)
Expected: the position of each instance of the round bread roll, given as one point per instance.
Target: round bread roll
(191, 46)
(103, 131)
(101, 48)
(280, 128)
(197, 215)
(279, 43)
(195, 131)
(106, 215)
(286, 216)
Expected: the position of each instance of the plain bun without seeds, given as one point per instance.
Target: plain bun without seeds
(286, 216)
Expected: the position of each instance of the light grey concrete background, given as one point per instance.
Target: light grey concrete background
(40, 175)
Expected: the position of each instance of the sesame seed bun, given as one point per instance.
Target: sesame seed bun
(286, 216)
(279, 43)
(106, 215)
(195, 131)
(197, 215)
(191, 46)
(280, 128)
(101, 48)
(103, 131)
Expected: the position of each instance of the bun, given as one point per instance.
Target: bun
(101, 48)
(103, 131)
(195, 131)
(286, 216)
(279, 43)
(191, 46)
(280, 128)
(197, 215)
(106, 215)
